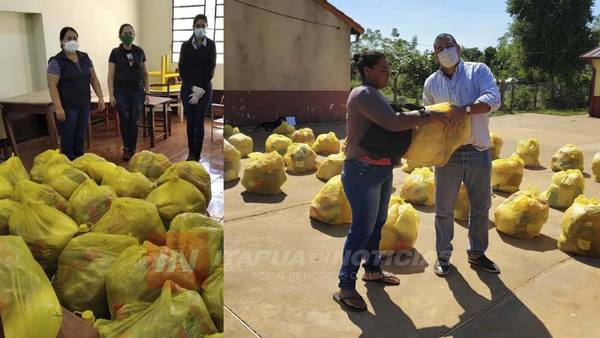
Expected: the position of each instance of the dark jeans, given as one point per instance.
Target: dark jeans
(72, 131)
(195, 118)
(130, 106)
(368, 189)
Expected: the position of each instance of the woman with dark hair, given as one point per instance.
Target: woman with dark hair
(367, 181)
(127, 86)
(70, 73)
(197, 62)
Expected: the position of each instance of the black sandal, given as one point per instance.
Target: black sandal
(384, 276)
(347, 306)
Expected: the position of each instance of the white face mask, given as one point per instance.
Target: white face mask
(71, 46)
(200, 32)
(448, 57)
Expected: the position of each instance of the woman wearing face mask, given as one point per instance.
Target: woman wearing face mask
(70, 74)
(368, 182)
(197, 62)
(127, 86)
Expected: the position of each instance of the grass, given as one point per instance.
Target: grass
(556, 112)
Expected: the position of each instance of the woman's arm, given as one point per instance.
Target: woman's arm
(111, 82)
(182, 63)
(54, 94)
(97, 89)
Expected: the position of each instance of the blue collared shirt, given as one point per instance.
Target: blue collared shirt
(194, 42)
(472, 82)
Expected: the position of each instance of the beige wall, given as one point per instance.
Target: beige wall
(264, 51)
(596, 65)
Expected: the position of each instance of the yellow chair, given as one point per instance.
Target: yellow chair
(163, 87)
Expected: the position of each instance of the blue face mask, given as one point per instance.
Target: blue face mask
(199, 33)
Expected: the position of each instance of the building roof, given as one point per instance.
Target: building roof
(355, 27)
(591, 55)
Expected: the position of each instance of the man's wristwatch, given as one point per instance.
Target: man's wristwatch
(468, 109)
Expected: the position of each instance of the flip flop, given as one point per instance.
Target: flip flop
(383, 279)
(342, 301)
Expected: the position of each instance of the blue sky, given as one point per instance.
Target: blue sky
(474, 23)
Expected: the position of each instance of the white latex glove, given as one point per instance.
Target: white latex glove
(196, 94)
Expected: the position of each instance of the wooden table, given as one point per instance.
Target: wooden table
(149, 125)
(38, 103)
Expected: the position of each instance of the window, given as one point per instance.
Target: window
(184, 12)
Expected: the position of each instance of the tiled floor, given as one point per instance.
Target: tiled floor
(106, 144)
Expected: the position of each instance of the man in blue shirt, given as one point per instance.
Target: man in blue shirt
(471, 87)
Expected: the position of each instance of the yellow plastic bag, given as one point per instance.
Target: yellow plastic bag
(176, 313)
(228, 130)
(419, 187)
(300, 158)
(194, 173)
(177, 196)
(278, 143)
(304, 135)
(496, 146)
(581, 228)
(332, 166)
(231, 162)
(522, 215)
(462, 205)
(140, 271)
(128, 184)
(596, 167)
(264, 173)
(409, 166)
(212, 294)
(45, 230)
(152, 165)
(90, 202)
(13, 170)
(25, 190)
(331, 205)
(28, 304)
(7, 208)
(564, 188)
(242, 143)
(134, 217)
(529, 151)
(65, 179)
(567, 157)
(284, 129)
(507, 174)
(45, 160)
(400, 230)
(93, 165)
(434, 142)
(80, 277)
(326, 144)
(6, 188)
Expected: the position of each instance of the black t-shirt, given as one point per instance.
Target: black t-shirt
(129, 76)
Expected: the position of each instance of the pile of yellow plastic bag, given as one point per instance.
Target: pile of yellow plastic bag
(567, 157)
(331, 205)
(434, 142)
(45, 160)
(28, 304)
(507, 174)
(80, 277)
(90, 202)
(243, 143)
(304, 135)
(7, 208)
(522, 215)
(496, 145)
(300, 158)
(28, 190)
(596, 167)
(326, 144)
(194, 173)
(176, 313)
(332, 166)
(13, 170)
(6, 188)
(45, 230)
(212, 294)
(529, 151)
(581, 228)
(200, 239)
(140, 271)
(284, 129)
(65, 179)
(177, 196)
(134, 217)
(150, 164)
(409, 166)
(128, 184)
(278, 143)
(229, 130)
(264, 173)
(400, 230)
(93, 165)
(419, 187)
(231, 162)
(564, 188)
(462, 205)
